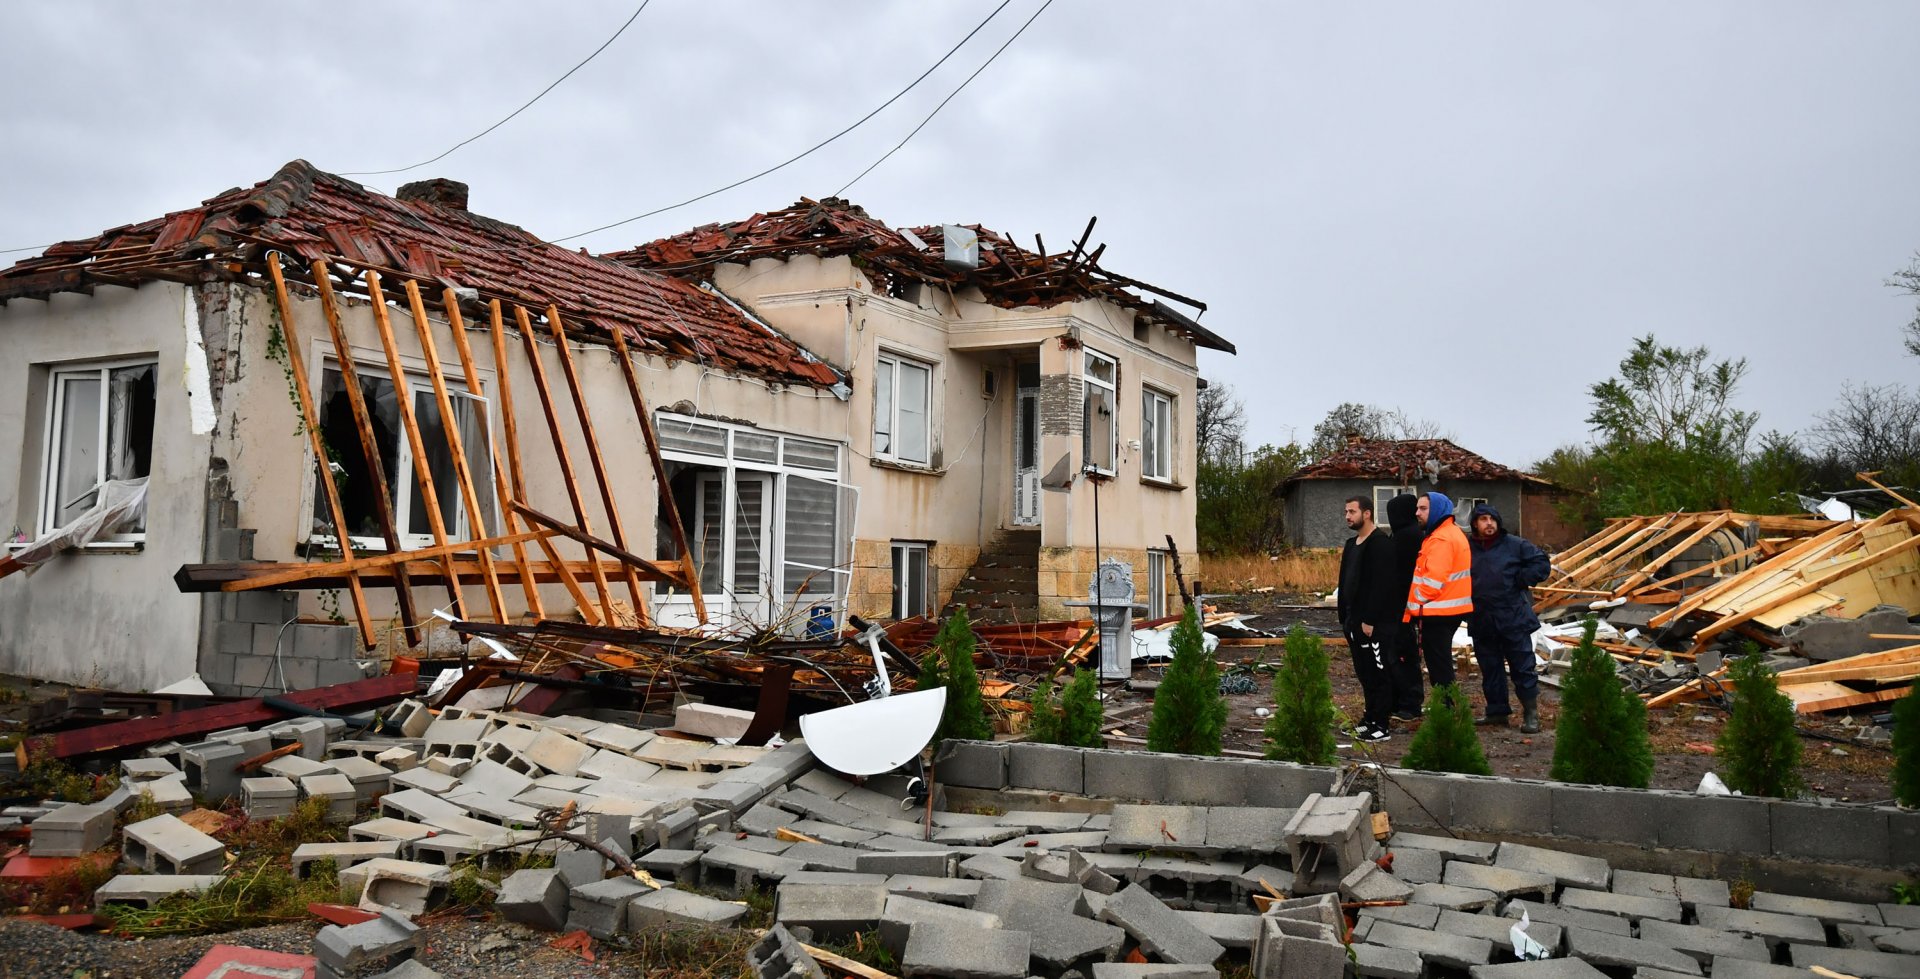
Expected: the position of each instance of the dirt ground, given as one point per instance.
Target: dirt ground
(1831, 764)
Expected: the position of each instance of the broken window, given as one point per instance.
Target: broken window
(1099, 435)
(1463, 511)
(99, 428)
(361, 493)
(1381, 494)
(903, 393)
(1156, 434)
(909, 579)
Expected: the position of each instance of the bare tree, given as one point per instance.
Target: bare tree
(1219, 421)
(1907, 280)
(1874, 427)
(1368, 422)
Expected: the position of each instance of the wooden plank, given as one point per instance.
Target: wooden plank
(595, 460)
(202, 578)
(560, 451)
(509, 521)
(189, 724)
(1701, 598)
(456, 446)
(668, 506)
(1812, 585)
(1876, 673)
(497, 337)
(1673, 552)
(1814, 698)
(651, 570)
(1703, 569)
(310, 421)
(369, 445)
(403, 398)
(439, 553)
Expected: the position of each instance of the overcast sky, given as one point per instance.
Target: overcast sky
(1462, 210)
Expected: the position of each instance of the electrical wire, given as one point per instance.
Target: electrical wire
(509, 117)
(811, 149)
(949, 98)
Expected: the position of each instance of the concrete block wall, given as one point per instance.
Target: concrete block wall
(1725, 827)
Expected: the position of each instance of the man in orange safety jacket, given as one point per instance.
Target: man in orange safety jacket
(1441, 597)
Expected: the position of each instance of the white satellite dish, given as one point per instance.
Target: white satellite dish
(877, 735)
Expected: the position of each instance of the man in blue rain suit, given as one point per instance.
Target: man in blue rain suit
(1505, 568)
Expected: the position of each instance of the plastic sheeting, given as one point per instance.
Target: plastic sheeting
(120, 504)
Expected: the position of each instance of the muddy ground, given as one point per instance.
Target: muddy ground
(1832, 765)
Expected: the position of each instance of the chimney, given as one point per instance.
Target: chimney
(440, 192)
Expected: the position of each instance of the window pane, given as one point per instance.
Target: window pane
(915, 382)
(1099, 368)
(712, 514)
(808, 454)
(749, 533)
(1029, 434)
(756, 447)
(471, 413)
(810, 533)
(437, 466)
(883, 406)
(1149, 437)
(77, 447)
(917, 581)
(130, 421)
(899, 582)
(354, 475)
(681, 435)
(1097, 430)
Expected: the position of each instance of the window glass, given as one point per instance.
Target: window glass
(811, 532)
(808, 454)
(756, 447)
(749, 532)
(883, 407)
(361, 493)
(78, 451)
(100, 428)
(909, 580)
(915, 380)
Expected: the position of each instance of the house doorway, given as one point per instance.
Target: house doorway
(1026, 447)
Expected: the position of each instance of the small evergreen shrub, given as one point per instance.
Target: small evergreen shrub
(1301, 729)
(1906, 748)
(1082, 712)
(1601, 737)
(1446, 741)
(965, 716)
(1044, 720)
(1188, 712)
(1759, 750)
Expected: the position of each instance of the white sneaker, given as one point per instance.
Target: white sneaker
(1372, 735)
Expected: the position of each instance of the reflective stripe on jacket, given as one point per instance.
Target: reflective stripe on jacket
(1443, 577)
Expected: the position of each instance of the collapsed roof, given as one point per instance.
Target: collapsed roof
(1407, 461)
(1007, 275)
(425, 234)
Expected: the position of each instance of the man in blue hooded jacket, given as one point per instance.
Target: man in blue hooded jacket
(1505, 567)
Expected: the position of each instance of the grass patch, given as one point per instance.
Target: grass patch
(1295, 571)
(277, 838)
(865, 948)
(258, 891)
(690, 953)
(67, 891)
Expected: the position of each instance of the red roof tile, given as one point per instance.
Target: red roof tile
(312, 214)
(1405, 460)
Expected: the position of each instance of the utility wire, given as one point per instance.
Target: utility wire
(529, 104)
(949, 98)
(811, 149)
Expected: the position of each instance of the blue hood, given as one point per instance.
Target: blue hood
(1439, 508)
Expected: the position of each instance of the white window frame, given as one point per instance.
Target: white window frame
(411, 538)
(1463, 511)
(1380, 501)
(56, 419)
(1157, 572)
(902, 553)
(1090, 382)
(889, 365)
(1158, 416)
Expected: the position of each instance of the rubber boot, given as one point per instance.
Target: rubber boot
(1530, 714)
(1492, 720)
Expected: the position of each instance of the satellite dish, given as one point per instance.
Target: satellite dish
(875, 736)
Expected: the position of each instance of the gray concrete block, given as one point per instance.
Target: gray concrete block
(1211, 781)
(347, 950)
(1285, 785)
(1634, 909)
(1136, 827)
(1465, 851)
(1046, 767)
(1157, 929)
(1542, 969)
(406, 886)
(1017, 899)
(929, 863)
(1412, 915)
(943, 951)
(165, 845)
(679, 866)
(1700, 892)
(1381, 962)
(1506, 882)
(1090, 877)
(1713, 824)
(1830, 912)
(1497, 930)
(1570, 869)
(1704, 944)
(822, 856)
(72, 830)
(1133, 776)
(972, 764)
(1900, 915)
(581, 866)
(210, 769)
(1421, 799)
(1454, 896)
(1774, 928)
(1592, 812)
(1418, 866)
(1569, 918)
(1834, 834)
(338, 791)
(779, 955)
(1602, 949)
(832, 911)
(536, 898)
(600, 908)
(1063, 940)
(957, 891)
(343, 855)
(1497, 805)
(1744, 969)
(1289, 947)
(1257, 831)
(901, 913)
(1433, 947)
(1903, 839)
(983, 866)
(148, 889)
(1368, 882)
(1152, 970)
(1233, 931)
(670, 907)
(1856, 962)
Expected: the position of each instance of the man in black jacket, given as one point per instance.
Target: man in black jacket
(1369, 609)
(1505, 568)
(1402, 647)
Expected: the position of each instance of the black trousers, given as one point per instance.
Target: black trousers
(1403, 667)
(1370, 667)
(1436, 645)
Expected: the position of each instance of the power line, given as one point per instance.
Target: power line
(543, 92)
(811, 149)
(949, 98)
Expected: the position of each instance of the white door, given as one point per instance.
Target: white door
(1026, 458)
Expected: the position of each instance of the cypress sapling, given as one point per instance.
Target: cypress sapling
(1043, 724)
(966, 715)
(1301, 729)
(1601, 737)
(1447, 741)
(1759, 750)
(1189, 714)
(1082, 713)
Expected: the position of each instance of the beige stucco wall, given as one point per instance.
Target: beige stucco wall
(91, 617)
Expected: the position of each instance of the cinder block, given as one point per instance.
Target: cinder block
(350, 949)
(1829, 912)
(165, 845)
(926, 863)
(1903, 839)
(1284, 785)
(1128, 776)
(1047, 767)
(710, 721)
(210, 769)
(1160, 932)
(957, 891)
(1588, 812)
(1856, 962)
(343, 855)
(1775, 929)
(536, 898)
(1617, 951)
(1497, 930)
(744, 868)
(1713, 824)
(781, 956)
(338, 792)
(406, 886)
(1211, 781)
(1704, 944)
(601, 907)
(1497, 805)
(671, 907)
(1504, 881)
(1419, 799)
(148, 889)
(831, 911)
(1436, 948)
(944, 951)
(1287, 947)
(902, 913)
(1835, 834)
(1627, 906)
(972, 764)
(1570, 869)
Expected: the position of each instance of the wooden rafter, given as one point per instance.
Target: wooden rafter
(595, 460)
(561, 453)
(501, 488)
(668, 507)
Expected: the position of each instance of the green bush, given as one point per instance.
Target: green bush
(1074, 718)
(965, 716)
(1906, 748)
(1446, 741)
(1044, 721)
(1759, 750)
(1601, 737)
(1188, 712)
(1301, 729)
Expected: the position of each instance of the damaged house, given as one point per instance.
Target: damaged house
(842, 416)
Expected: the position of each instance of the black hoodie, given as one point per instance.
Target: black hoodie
(1407, 535)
